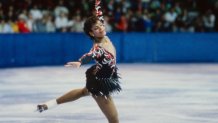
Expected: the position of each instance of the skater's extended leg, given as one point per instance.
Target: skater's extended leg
(72, 95)
(108, 108)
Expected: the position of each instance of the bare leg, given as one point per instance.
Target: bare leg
(107, 106)
(72, 95)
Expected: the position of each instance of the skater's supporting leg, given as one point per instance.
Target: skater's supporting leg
(108, 108)
(72, 95)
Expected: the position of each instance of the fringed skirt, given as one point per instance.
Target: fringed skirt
(102, 82)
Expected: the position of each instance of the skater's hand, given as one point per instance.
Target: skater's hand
(73, 64)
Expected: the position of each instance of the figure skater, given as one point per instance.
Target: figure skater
(101, 79)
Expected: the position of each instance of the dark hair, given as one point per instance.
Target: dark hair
(90, 21)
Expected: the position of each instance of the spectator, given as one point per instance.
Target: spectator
(110, 5)
(61, 22)
(140, 22)
(151, 15)
(6, 27)
(107, 24)
(30, 22)
(209, 21)
(1, 14)
(125, 5)
(178, 8)
(132, 19)
(145, 3)
(11, 15)
(117, 14)
(157, 20)
(36, 13)
(39, 25)
(14, 26)
(155, 4)
(199, 25)
(169, 18)
(148, 24)
(122, 24)
(50, 26)
(78, 24)
(22, 25)
(182, 21)
(1, 26)
(60, 8)
(216, 15)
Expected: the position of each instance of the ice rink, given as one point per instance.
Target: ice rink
(152, 93)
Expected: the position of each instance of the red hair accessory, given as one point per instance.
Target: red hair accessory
(98, 13)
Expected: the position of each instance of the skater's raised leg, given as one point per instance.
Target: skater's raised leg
(68, 97)
(72, 95)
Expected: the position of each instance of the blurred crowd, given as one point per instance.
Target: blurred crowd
(25, 16)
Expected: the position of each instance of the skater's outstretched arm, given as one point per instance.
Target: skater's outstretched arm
(73, 64)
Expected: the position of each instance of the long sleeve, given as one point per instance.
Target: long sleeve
(86, 58)
(95, 53)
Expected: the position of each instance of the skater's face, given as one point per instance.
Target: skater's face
(98, 30)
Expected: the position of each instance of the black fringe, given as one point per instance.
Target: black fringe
(104, 82)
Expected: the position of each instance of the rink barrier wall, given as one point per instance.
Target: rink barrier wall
(57, 48)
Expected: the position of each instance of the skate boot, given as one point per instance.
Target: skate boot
(41, 107)
(47, 105)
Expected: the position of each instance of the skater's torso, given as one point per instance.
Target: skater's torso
(107, 45)
(103, 53)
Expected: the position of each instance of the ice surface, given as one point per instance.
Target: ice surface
(152, 93)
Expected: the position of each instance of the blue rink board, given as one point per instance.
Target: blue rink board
(57, 48)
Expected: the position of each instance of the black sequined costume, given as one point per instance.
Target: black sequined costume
(102, 78)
